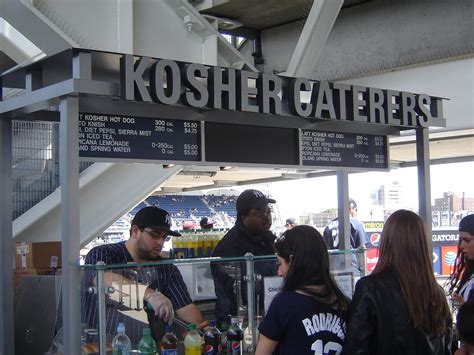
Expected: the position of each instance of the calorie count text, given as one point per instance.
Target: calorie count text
(164, 126)
(362, 140)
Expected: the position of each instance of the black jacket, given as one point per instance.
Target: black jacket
(379, 322)
(237, 242)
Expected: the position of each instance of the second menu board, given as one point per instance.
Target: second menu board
(343, 149)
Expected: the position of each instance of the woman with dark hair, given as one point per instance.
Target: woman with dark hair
(400, 308)
(308, 316)
(461, 281)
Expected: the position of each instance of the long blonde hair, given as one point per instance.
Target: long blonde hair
(404, 250)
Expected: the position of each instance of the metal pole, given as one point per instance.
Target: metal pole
(101, 301)
(251, 279)
(424, 179)
(343, 211)
(7, 342)
(70, 247)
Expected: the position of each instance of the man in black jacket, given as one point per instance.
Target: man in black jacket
(251, 234)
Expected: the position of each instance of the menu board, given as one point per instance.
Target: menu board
(343, 149)
(131, 137)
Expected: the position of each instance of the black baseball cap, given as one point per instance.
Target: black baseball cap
(154, 217)
(251, 199)
(467, 224)
(290, 221)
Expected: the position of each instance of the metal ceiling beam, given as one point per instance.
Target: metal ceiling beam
(20, 15)
(315, 32)
(15, 45)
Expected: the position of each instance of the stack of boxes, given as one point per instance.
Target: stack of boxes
(39, 258)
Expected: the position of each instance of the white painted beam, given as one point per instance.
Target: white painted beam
(16, 46)
(107, 192)
(315, 32)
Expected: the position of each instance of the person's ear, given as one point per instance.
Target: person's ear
(134, 231)
(291, 258)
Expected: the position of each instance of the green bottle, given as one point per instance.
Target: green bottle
(147, 345)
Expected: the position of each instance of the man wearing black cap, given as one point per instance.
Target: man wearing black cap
(166, 292)
(290, 223)
(251, 234)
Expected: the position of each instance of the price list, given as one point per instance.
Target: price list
(344, 150)
(127, 137)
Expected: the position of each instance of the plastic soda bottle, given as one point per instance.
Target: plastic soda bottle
(224, 328)
(169, 342)
(147, 345)
(121, 344)
(192, 341)
(234, 338)
(212, 340)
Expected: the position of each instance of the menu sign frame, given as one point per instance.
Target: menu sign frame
(111, 137)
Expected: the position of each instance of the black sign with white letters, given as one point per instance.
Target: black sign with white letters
(125, 137)
(344, 149)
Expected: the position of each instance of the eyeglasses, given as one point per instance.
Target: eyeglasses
(156, 234)
(262, 214)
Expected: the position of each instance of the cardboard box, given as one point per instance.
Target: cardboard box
(38, 255)
(25, 272)
(93, 348)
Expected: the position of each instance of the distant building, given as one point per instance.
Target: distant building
(451, 202)
(390, 196)
(321, 219)
(449, 209)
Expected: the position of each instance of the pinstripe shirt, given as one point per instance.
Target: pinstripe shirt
(163, 278)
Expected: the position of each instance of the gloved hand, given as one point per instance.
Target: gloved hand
(161, 305)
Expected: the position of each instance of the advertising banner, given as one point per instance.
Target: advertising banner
(448, 257)
(372, 257)
(437, 260)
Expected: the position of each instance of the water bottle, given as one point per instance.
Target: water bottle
(192, 341)
(147, 345)
(169, 342)
(121, 344)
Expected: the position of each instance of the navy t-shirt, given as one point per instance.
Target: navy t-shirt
(302, 325)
